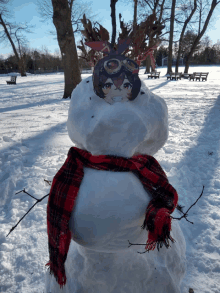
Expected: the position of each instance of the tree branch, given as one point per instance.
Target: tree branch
(185, 214)
(37, 201)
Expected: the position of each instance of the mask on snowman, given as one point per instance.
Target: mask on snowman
(115, 77)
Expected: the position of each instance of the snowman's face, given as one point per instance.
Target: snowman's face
(115, 79)
(117, 90)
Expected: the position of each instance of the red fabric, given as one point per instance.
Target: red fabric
(65, 187)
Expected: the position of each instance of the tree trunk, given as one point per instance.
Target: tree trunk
(112, 5)
(200, 17)
(149, 68)
(19, 59)
(66, 41)
(148, 65)
(161, 11)
(22, 67)
(200, 35)
(170, 53)
(182, 34)
(135, 15)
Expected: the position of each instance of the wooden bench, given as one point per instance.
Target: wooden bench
(174, 75)
(12, 81)
(198, 76)
(186, 75)
(154, 74)
(204, 76)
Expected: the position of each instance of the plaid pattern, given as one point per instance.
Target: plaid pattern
(65, 187)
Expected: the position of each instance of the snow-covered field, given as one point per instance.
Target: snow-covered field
(34, 144)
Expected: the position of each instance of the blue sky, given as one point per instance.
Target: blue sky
(27, 11)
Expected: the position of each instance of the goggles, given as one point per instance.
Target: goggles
(114, 65)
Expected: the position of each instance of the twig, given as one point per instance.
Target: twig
(26, 193)
(37, 201)
(185, 214)
(130, 244)
(48, 182)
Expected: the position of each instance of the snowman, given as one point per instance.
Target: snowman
(111, 192)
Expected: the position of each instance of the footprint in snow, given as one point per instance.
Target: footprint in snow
(7, 139)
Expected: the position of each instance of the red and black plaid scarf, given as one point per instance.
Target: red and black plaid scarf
(65, 187)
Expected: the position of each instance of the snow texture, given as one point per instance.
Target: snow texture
(33, 145)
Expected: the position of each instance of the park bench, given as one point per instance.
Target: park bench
(174, 75)
(12, 81)
(204, 76)
(198, 76)
(186, 75)
(154, 74)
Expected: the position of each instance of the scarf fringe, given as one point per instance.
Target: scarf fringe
(61, 280)
(159, 244)
(158, 235)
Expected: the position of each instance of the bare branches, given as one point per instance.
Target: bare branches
(14, 34)
(71, 4)
(159, 244)
(77, 7)
(37, 201)
(186, 213)
(45, 9)
(214, 3)
(4, 11)
(188, 19)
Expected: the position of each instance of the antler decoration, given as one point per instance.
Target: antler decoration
(97, 39)
(146, 30)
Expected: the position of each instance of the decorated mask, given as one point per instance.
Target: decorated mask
(115, 77)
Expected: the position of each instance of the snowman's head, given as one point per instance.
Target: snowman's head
(115, 78)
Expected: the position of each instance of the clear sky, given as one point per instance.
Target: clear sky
(27, 11)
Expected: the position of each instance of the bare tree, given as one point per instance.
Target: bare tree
(170, 53)
(79, 8)
(13, 33)
(214, 3)
(66, 40)
(185, 9)
(203, 9)
(156, 7)
(66, 15)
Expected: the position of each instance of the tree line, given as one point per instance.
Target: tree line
(40, 61)
(205, 52)
(37, 61)
(184, 22)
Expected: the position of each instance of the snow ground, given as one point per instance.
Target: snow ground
(34, 144)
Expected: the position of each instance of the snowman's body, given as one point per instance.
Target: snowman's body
(110, 206)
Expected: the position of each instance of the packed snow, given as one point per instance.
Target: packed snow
(33, 146)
